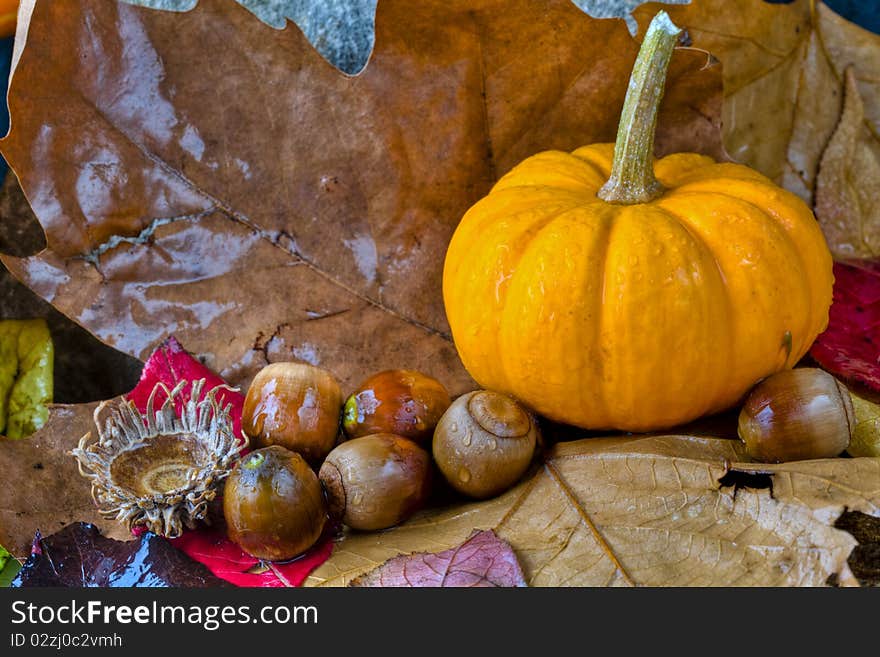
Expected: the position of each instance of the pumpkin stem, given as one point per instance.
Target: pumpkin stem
(632, 172)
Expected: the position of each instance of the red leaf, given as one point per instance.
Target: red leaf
(226, 560)
(170, 364)
(850, 346)
(482, 560)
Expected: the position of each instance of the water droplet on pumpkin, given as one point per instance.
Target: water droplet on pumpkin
(454, 427)
(357, 499)
(464, 475)
(492, 443)
(466, 441)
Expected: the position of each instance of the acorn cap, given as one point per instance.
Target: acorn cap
(159, 470)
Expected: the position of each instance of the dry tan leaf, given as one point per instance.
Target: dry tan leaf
(42, 488)
(650, 512)
(783, 79)
(848, 186)
(850, 46)
(214, 177)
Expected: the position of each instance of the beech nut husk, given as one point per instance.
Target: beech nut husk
(294, 405)
(376, 481)
(403, 402)
(484, 443)
(804, 413)
(273, 504)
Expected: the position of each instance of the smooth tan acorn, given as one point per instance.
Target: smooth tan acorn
(804, 413)
(273, 504)
(376, 481)
(484, 443)
(294, 405)
(403, 402)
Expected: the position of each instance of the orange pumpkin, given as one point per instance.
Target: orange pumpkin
(642, 304)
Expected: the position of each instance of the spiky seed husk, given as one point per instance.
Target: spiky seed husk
(159, 439)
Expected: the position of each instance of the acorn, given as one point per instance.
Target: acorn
(804, 413)
(274, 505)
(403, 402)
(484, 443)
(294, 405)
(376, 481)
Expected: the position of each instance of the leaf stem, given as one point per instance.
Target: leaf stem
(632, 171)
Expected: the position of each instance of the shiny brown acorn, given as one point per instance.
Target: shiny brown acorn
(294, 405)
(273, 504)
(804, 413)
(376, 481)
(403, 402)
(484, 443)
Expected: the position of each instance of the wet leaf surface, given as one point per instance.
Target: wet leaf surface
(78, 556)
(85, 369)
(330, 199)
(44, 491)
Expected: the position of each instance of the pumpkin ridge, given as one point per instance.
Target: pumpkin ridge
(599, 157)
(652, 384)
(536, 225)
(709, 174)
(549, 169)
(606, 245)
(510, 367)
(784, 251)
(478, 219)
(578, 197)
(772, 217)
(728, 321)
(604, 308)
(769, 210)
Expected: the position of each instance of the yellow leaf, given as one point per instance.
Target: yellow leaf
(865, 439)
(26, 364)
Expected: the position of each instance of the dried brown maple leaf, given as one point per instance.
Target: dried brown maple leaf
(651, 511)
(43, 491)
(216, 178)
